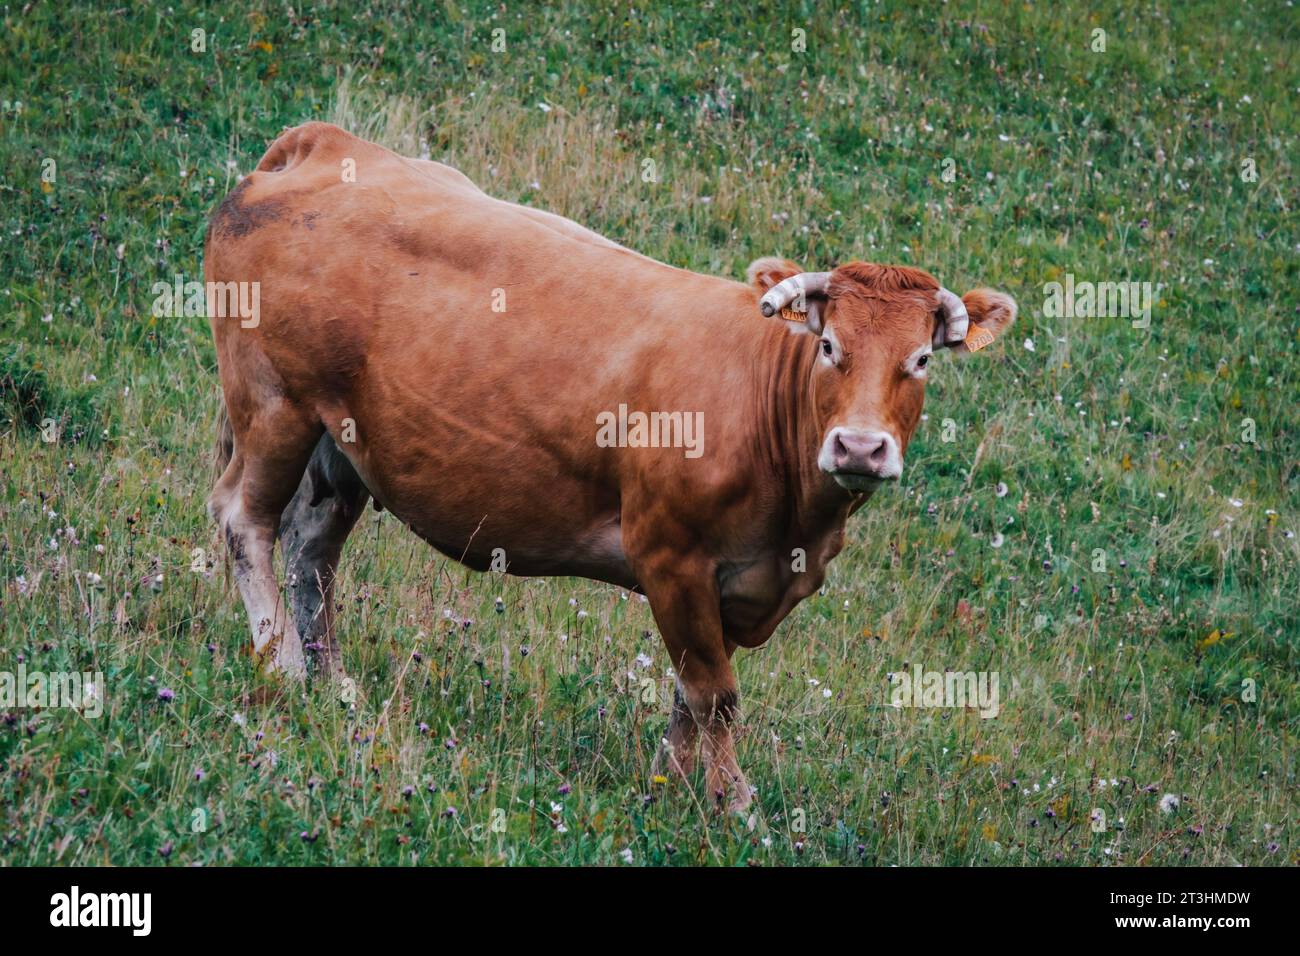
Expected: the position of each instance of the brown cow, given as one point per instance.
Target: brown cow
(501, 378)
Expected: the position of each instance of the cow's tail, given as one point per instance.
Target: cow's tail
(225, 445)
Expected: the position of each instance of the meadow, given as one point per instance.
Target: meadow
(1104, 515)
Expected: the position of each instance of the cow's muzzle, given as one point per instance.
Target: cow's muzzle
(859, 459)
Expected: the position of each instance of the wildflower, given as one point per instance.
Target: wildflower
(626, 854)
(166, 694)
(1169, 803)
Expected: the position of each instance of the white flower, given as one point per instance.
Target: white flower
(644, 660)
(1169, 803)
(1029, 345)
(544, 107)
(826, 692)
(1001, 489)
(626, 854)
(996, 540)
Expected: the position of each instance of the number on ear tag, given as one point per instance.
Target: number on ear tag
(977, 338)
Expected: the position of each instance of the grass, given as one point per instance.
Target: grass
(524, 736)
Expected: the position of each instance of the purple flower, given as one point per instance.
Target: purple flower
(1128, 717)
(199, 774)
(564, 790)
(166, 694)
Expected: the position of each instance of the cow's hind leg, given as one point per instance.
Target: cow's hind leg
(329, 500)
(269, 453)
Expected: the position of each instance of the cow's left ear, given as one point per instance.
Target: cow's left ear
(974, 321)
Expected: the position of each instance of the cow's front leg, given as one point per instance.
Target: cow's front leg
(685, 601)
(679, 743)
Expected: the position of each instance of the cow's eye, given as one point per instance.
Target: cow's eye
(827, 349)
(923, 361)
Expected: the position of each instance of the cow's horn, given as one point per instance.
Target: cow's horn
(954, 321)
(784, 292)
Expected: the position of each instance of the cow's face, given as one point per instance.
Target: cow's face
(875, 330)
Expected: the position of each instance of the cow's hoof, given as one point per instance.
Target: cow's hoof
(672, 760)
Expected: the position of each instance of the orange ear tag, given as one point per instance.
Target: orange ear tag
(977, 338)
(790, 315)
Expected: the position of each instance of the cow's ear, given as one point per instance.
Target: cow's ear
(989, 313)
(804, 312)
(764, 273)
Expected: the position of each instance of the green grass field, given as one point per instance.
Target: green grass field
(509, 721)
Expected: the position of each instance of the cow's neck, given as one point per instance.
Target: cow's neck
(816, 506)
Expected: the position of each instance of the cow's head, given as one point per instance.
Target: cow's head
(874, 329)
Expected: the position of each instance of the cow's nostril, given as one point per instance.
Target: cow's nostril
(878, 454)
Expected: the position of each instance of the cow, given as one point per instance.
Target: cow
(476, 367)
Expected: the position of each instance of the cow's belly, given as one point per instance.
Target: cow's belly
(493, 505)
